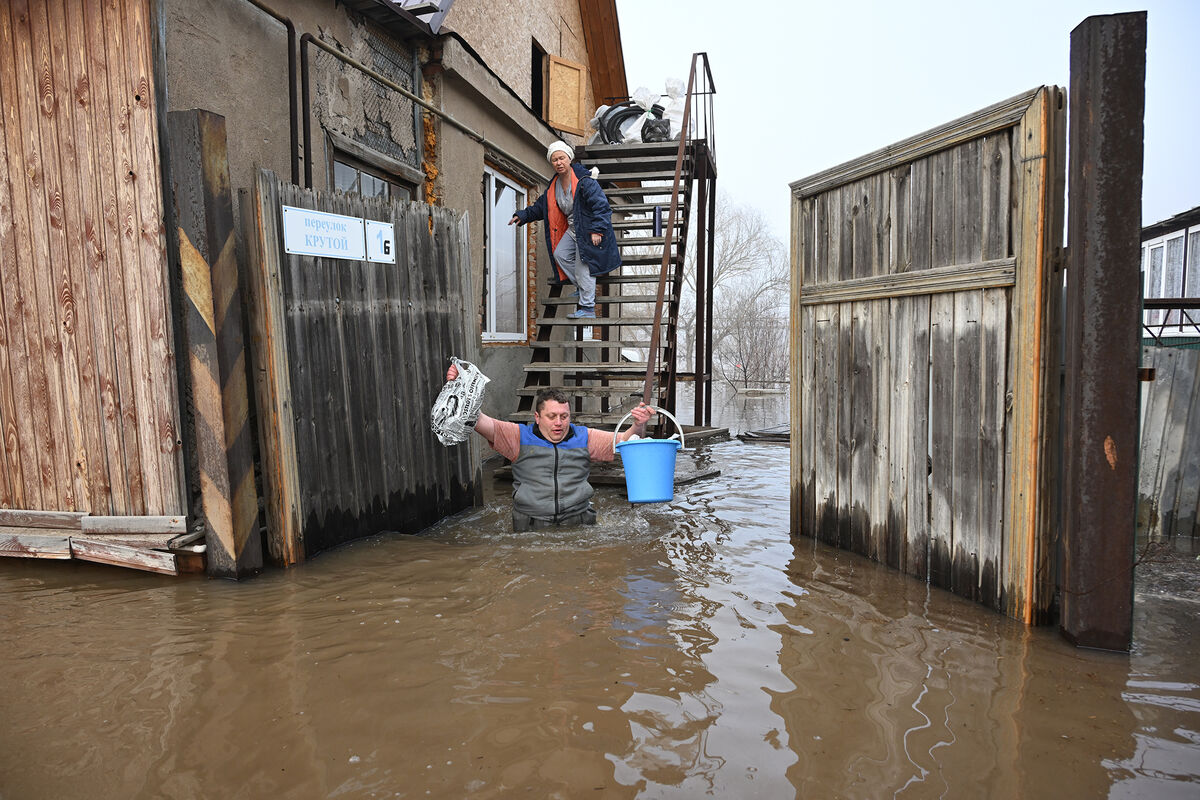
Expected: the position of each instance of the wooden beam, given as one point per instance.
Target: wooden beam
(20, 518)
(272, 384)
(93, 526)
(120, 555)
(219, 425)
(994, 274)
(34, 545)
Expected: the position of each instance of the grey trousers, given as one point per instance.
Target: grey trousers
(567, 256)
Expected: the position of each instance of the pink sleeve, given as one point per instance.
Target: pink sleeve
(508, 439)
(600, 445)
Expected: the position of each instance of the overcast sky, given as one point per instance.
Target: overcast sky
(804, 86)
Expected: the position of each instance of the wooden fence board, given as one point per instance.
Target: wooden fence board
(941, 437)
(917, 542)
(105, 466)
(993, 383)
(803, 427)
(845, 427)
(899, 381)
(879, 507)
(862, 431)
(968, 425)
(996, 195)
(826, 391)
(113, 254)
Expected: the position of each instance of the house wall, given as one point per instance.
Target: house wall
(473, 96)
(502, 40)
(229, 57)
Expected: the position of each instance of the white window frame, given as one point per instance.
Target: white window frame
(491, 269)
(1158, 321)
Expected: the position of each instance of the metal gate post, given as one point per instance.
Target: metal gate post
(1100, 412)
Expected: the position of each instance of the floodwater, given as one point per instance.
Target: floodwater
(679, 650)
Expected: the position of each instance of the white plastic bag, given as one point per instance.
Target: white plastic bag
(457, 407)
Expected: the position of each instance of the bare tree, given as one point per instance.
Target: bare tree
(750, 277)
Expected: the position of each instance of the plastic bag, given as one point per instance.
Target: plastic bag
(457, 407)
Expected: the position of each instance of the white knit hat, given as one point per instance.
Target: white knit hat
(563, 146)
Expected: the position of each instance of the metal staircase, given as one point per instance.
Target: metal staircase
(629, 353)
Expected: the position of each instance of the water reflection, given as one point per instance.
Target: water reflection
(673, 651)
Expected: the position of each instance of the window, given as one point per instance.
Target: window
(538, 69)
(1165, 276)
(505, 303)
(355, 176)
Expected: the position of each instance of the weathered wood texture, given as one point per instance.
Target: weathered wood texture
(219, 423)
(921, 280)
(349, 358)
(1169, 458)
(89, 410)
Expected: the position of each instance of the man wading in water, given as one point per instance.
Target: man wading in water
(551, 459)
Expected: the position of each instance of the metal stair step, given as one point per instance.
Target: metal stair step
(644, 241)
(641, 191)
(597, 322)
(593, 344)
(604, 300)
(630, 150)
(646, 163)
(597, 420)
(629, 259)
(648, 175)
(643, 223)
(622, 367)
(632, 387)
(649, 277)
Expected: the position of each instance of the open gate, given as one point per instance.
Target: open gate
(925, 354)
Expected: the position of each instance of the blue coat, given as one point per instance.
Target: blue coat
(592, 214)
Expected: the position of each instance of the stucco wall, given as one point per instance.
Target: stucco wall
(502, 39)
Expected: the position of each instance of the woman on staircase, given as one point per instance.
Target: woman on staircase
(579, 231)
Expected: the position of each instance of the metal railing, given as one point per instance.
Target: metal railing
(696, 126)
(1184, 322)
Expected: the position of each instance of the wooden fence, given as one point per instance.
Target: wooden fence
(1169, 463)
(349, 357)
(924, 311)
(89, 404)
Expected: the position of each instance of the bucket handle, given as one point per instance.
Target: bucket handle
(658, 410)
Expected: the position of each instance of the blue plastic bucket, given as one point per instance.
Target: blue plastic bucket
(649, 466)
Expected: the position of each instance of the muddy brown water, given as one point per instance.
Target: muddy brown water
(681, 650)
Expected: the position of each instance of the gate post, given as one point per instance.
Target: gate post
(1100, 413)
(220, 424)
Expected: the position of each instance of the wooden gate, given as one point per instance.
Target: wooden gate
(924, 306)
(349, 357)
(88, 387)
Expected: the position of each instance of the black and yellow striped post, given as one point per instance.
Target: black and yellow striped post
(222, 467)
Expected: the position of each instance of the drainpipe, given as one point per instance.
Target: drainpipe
(293, 111)
(308, 38)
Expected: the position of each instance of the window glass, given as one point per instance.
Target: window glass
(351, 175)
(505, 302)
(345, 177)
(1173, 275)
